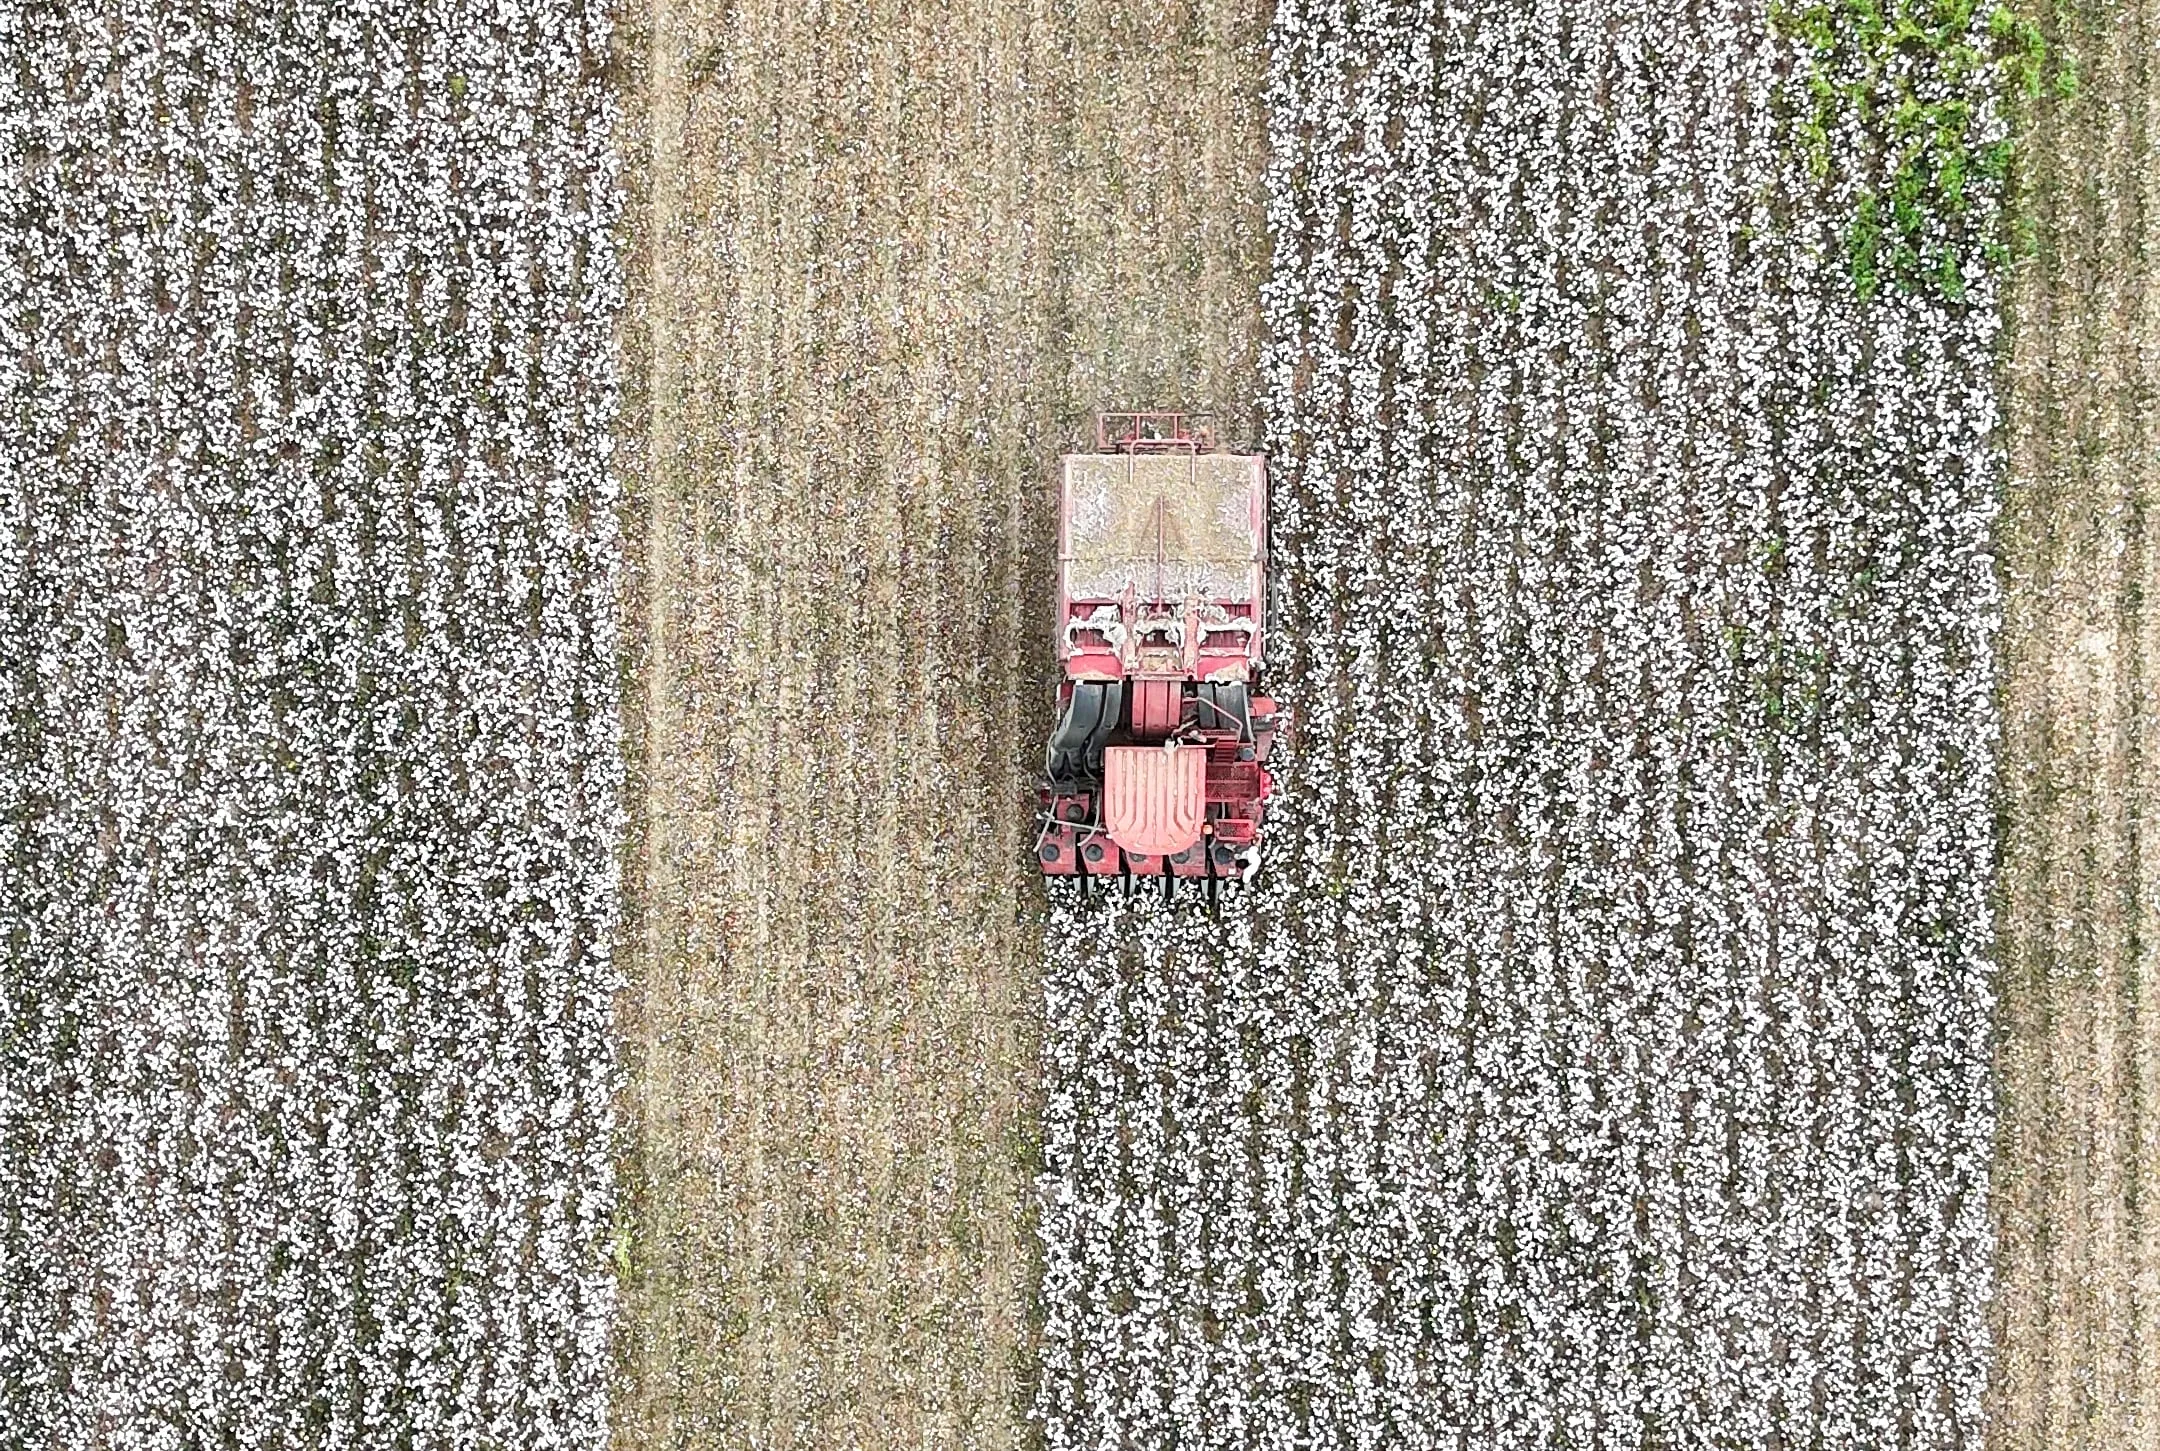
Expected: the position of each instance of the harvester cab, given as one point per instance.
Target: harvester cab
(1157, 766)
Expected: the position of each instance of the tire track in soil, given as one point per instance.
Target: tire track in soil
(891, 257)
(2078, 1320)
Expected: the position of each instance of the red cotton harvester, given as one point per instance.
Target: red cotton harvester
(1157, 767)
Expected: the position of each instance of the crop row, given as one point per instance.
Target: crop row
(308, 769)
(1604, 1061)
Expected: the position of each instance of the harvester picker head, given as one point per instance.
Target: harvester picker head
(1157, 765)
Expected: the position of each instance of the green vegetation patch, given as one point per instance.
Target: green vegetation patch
(1934, 94)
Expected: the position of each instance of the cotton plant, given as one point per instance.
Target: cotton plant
(309, 766)
(1602, 1058)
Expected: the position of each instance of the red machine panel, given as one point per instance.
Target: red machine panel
(1157, 766)
(1154, 797)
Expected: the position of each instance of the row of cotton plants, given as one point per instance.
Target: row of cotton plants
(308, 757)
(1603, 1061)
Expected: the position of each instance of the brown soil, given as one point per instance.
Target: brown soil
(887, 259)
(2078, 1197)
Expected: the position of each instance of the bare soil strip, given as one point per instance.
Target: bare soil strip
(893, 255)
(2078, 1321)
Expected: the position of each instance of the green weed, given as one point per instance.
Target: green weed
(1939, 92)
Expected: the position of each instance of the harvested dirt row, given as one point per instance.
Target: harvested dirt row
(2079, 1310)
(891, 256)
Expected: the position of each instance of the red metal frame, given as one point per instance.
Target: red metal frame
(1238, 788)
(1164, 705)
(1142, 433)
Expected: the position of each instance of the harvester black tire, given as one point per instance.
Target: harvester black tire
(1110, 719)
(1077, 735)
(1225, 706)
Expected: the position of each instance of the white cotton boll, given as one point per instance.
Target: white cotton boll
(1552, 1052)
(331, 1173)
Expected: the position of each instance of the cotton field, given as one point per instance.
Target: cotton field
(1606, 1060)
(526, 559)
(309, 772)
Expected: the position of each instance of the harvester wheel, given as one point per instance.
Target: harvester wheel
(1075, 755)
(1224, 707)
(1106, 721)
